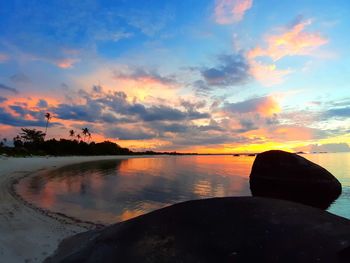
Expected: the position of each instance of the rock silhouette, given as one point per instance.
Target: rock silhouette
(284, 175)
(231, 229)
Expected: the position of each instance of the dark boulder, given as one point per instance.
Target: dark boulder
(284, 175)
(232, 229)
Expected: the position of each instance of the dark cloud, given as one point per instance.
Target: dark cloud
(97, 88)
(8, 119)
(272, 120)
(138, 73)
(20, 78)
(90, 112)
(340, 103)
(134, 133)
(163, 127)
(2, 99)
(233, 70)
(19, 109)
(201, 87)
(338, 112)
(159, 113)
(42, 104)
(64, 86)
(24, 111)
(327, 147)
(209, 139)
(7, 88)
(192, 106)
(247, 125)
(250, 105)
(107, 106)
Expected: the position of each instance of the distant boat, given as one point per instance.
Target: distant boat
(251, 154)
(236, 154)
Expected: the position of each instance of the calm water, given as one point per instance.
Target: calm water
(112, 191)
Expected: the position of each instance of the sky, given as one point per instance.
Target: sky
(206, 76)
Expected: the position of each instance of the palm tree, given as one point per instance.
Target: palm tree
(71, 133)
(48, 118)
(79, 137)
(86, 132)
(32, 136)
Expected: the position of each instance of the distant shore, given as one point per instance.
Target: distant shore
(28, 235)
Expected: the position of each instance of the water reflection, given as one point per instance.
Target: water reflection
(111, 191)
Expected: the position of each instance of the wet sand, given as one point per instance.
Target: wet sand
(29, 234)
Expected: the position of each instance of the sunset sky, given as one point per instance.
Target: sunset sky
(193, 76)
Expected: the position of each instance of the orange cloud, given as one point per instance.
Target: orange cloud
(269, 107)
(231, 11)
(265, 106)
(66, 63)
(293, 42)
(267, 74)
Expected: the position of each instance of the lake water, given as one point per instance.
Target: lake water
(111, 191)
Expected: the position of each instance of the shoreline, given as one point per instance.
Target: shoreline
(30, 233)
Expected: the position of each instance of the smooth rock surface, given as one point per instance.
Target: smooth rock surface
(231, 229)
(283, 175)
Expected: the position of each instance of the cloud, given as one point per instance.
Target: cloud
(80, 112)
(143, 75)
(115, 36)
(3, 57)
(246, 125)
(112, 106)
(192, 106)
(233, 70)
(7, 88)
(327, 147)
(8, 119)
(149, 23)
(338, 112)
(231, 11)
(131, 133)
(2, 99)
(157, 113)
(66, 63)
(42, 103)
(268, 74)
(292, 41)
(266, 106)
(20, 78)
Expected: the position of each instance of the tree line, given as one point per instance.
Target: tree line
(32, 142)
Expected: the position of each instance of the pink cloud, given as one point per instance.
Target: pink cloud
(231, 11)
(267, 74)
(3, 57)
(66, 62)
(294, 41)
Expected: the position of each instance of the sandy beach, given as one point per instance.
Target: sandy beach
(28, 234)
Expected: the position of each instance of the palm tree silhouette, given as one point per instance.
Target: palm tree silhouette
(71, 133)
(86, 132)
(79, 137)
(48, 117)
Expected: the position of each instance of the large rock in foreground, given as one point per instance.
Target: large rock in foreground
(284, 175)
(232, 229)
